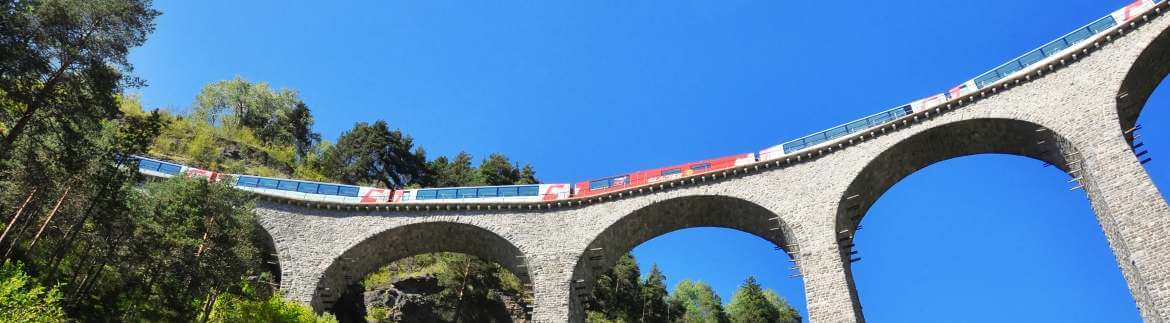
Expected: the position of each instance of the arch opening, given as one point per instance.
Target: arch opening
(944, 143)
(682, 217)
(341, 289)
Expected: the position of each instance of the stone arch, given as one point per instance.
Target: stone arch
(667, 216)
(943, 142)
(1146, 72)
(414, 239)
(269, 254)
(937, 144)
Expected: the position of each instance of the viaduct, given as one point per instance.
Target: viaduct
(1073, 114)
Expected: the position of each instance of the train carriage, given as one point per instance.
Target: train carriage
(646, 177)
(486, 194)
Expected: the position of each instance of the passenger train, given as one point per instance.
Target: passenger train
(350, 194)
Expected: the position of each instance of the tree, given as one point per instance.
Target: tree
(268, 113)
(66, 60)
(617, 294)
(750, 305)
(498, 170)
(528, 175)
(450, 173)
(193, 242)
(371, 153)
(300, 126)
(654, 308)
(24, 300)
(233, 308)
(787, 313)
(700, 301)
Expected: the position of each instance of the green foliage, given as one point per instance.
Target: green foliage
(69, 56)
(24, 300)
(749, 305)
(277, 117)
(787, 313)
(450, 173)
(618, 292)
(470, 287)
(200, 234)
(654, 307)
(700, 301)
(377, 314)
(276, 309)
(372, 154)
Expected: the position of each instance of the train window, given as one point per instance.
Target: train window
(1054, 47)
(351, 191)
(170, 169)
(307, 188)
(793, 146)
(1031, 58)
(448, 194)
(858, 125)
(600, 184)
(288, 185)
(1103, 24)
(528, 190)
(507, 191)
(986, 79)
(671, 171)
(467, 193)
(488, 192)
(700, 167)
(425, 194)
(148, 165)
(815, 139)
(835, 132)
(248, 181)
(269, 183)
(327, 189)
(1078, 36)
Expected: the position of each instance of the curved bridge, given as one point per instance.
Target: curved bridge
(1073, 113)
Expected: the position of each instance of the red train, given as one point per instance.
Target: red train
(647, 177)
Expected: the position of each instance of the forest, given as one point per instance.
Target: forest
(87, 238)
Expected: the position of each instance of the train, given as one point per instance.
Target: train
(311, 191)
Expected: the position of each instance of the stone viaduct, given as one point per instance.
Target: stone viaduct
(1073, 114)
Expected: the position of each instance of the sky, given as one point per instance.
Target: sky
(588, 89)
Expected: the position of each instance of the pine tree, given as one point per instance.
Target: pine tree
(699, 303)
(654, 308)
(749, 305)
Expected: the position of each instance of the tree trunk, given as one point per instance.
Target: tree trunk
(209, 305)
(67, 239)
(49, 219)
(462, 287)
(16, 216)
(31, 109)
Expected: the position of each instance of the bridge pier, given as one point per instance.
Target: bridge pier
(551, 282)
(1135, 218)
(828, 287)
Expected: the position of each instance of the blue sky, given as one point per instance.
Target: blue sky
(588, 89)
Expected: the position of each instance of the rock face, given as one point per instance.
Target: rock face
(411, 299)
(406, 299)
